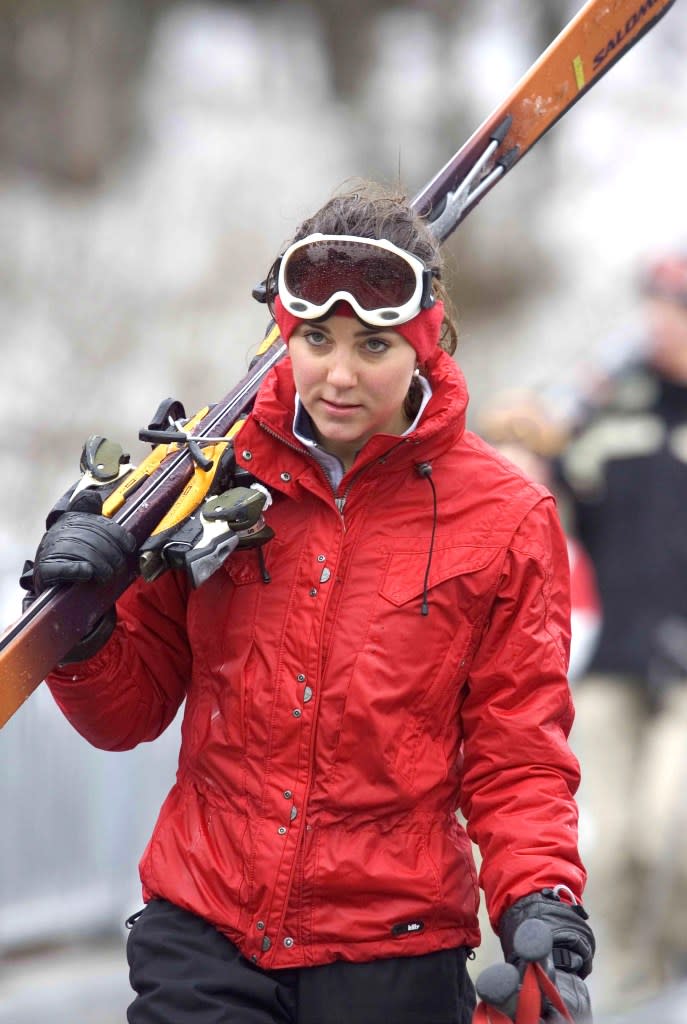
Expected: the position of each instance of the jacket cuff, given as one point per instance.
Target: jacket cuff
(93, 641)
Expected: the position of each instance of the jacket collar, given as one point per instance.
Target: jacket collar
(442, 423)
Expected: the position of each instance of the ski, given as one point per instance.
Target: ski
(176, 478)
(591, 43)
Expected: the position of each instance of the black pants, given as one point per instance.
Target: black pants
(185, 972)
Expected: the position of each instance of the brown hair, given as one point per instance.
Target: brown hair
(370, 210)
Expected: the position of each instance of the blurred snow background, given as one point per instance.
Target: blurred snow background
(153, 158)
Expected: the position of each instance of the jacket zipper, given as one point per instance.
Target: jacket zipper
(340, 502)
(301, 451)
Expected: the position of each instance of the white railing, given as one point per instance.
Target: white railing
(75, 821)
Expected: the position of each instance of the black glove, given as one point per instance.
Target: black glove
(575, 996)
(573, 945)
(79, 547)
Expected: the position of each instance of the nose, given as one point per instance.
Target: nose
(341, 371)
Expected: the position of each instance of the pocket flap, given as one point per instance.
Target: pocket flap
(405, 575)
(243, 567)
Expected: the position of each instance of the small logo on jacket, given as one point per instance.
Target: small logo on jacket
(407, 927)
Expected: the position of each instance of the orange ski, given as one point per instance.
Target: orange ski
(591, 43)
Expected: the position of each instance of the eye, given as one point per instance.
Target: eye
(376, 345)
(314, 337)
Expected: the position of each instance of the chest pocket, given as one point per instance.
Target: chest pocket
(222, 611)
(256, 598)
(406, 684)
(459, 591)
(404, 581)
(436, 649)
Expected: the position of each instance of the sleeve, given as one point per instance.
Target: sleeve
(131, 689)
(520, 775)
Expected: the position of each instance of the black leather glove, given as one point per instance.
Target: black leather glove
(573, 946)
(79, 547)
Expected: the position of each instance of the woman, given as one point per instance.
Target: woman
(398, 650)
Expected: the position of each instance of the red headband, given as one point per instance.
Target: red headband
(422, 332)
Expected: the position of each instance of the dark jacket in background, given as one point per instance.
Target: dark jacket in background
(627, 472)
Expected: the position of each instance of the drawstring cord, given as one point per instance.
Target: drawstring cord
(424, 470)
(266, 578)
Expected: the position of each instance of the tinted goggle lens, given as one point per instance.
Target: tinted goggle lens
(376, 278)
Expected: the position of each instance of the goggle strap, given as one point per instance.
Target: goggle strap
(428, 297)
(266, 290)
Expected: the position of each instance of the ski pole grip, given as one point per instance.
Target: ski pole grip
(533, 943)
(498, 986)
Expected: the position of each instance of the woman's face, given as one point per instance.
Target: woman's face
(352, 380)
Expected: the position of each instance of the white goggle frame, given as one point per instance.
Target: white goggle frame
(383, 316)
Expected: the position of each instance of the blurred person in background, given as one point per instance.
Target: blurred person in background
(625, 470)
(397, 650)
(520, 425)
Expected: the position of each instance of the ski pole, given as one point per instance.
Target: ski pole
(533, 945)
(497, 987)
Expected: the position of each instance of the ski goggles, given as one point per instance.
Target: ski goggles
(383, 284)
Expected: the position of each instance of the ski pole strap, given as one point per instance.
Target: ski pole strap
(486, 1014)
(537, 986)
(503, 1000)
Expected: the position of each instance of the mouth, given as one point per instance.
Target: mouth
(339, 408)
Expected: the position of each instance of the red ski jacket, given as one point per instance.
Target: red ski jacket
(331, 730)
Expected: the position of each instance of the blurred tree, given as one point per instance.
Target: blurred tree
(349, 37)
(348, 32)
(68, 78)
(550, 16)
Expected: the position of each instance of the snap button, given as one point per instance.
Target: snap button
(285, 477)
(313, 591)
(296, 712)
(321, 558)
(287, 794)
(282, 830)
(288, 942)
(254, 958)
(260, 926)
(300, 678)
(247, 455)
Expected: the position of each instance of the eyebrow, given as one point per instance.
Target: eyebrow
(362, 331)
(374, 330)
